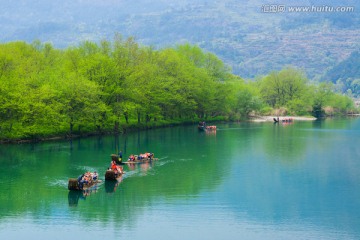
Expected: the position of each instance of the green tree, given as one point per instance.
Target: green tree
(80, 101)
(243, 98)
(97, 87)
(322, 93)
(278, 88)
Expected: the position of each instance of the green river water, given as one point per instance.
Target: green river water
(244, 181)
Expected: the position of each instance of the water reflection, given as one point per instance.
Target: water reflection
(284, 143)
(240, 173)
(74, 196)
(110, 186)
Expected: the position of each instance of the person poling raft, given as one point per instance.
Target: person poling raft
(202, 126)
(117, 158)
(84, 181)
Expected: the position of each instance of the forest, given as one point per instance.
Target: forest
(113, 86)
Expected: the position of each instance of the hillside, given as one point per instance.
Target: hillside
(346, 75)
(251, 41)
(349, 68)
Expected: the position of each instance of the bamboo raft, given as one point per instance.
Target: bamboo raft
(112, 175)
(203, 127)
(116, 158)
(144, 160)
(75, 185)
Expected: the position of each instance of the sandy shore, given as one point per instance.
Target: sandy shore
(271, 118)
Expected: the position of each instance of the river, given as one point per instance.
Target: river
(244, 181)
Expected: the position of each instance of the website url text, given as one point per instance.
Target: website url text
(279, 8)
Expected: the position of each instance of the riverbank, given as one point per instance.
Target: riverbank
(271, 118)
(124, 129)
(133, 127)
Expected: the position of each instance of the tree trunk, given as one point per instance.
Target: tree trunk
(116, 127)
(126, 115)
(71, 128)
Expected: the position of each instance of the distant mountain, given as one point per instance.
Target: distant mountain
(346, 75)
(253, 37)
(349, 68)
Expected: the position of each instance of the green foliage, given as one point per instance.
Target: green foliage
(107, 86)
(321, 94)
(289, 89)
(243, 99)
(278, 88)
(114, 85)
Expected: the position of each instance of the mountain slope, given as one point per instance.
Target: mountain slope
(251, 41)
(349, 68)
(346, 75)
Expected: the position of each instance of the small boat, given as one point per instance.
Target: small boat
(114, 171)
(283, 120)
(112, 175)
(142, 158)
(83, 182)
(287, 120)
(211, 128)
(117, 159)
(203, 127)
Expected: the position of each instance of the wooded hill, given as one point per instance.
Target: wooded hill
(252, 42)
(346, 75)
(113, 86)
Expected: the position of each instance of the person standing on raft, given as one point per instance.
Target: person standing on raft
(120, 156)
